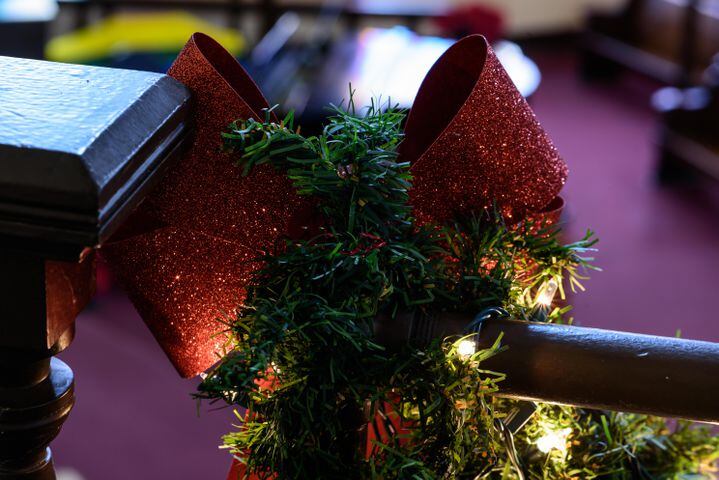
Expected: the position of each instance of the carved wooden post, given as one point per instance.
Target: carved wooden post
(79, 147)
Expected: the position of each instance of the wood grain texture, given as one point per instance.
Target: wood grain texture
(77, 145)
(585, 367)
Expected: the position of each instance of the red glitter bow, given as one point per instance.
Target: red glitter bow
(474, 142)
(185, 256)
(69, 286)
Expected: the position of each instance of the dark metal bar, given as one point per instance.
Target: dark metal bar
(587, 367)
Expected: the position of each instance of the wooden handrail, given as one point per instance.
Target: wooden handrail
(586, 367)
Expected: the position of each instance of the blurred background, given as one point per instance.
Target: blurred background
(628, 90)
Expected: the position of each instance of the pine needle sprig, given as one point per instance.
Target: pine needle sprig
(310, 378)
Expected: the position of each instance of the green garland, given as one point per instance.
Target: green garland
(305, 365)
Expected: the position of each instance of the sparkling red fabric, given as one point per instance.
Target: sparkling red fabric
(473, 141)
(184, 256)
(237, 472)
(375, 433)
(69, 286)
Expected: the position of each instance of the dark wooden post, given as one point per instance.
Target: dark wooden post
(688, 133)
(269, 13)
(688, 48)
(79, 147)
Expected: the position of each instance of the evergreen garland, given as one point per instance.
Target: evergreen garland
(310, 377)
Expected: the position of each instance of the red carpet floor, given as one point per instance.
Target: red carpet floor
(134, 417)
(659, 247)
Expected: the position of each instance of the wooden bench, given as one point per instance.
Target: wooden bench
(688, 140)
(672, 41)
(352, 11)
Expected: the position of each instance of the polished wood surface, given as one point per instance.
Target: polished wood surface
(79, 147)
(586, 367)
(672, 41)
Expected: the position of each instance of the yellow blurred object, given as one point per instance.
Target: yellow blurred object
(137, 33)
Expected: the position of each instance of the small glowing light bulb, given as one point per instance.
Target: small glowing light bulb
(554, 440)
(466, 348)
(546, 296)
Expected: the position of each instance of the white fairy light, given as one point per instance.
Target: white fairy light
(466, 348)
(554, 440)
(546, 296)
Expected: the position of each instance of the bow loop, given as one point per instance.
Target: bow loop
(474, 142)
(185, 256)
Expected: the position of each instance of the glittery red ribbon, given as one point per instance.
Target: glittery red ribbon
(547, 217)
(474, 142)
(69, 286)
(184, 257)
(378, 432)
(376, 244)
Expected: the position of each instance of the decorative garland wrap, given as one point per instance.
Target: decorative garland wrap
(323, 400)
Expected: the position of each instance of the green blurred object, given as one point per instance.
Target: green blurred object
(137, 33)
